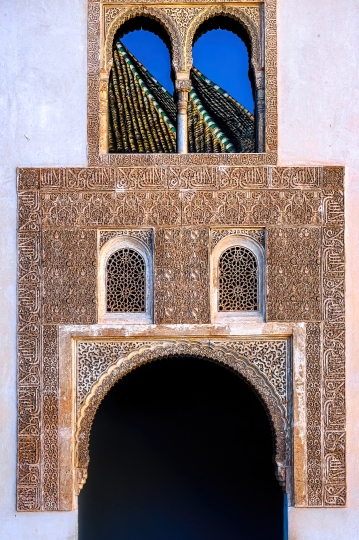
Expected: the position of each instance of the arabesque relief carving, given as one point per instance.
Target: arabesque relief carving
(70, 275)
(293, 267)
(181, 257)
(218, 234)
(64, 212)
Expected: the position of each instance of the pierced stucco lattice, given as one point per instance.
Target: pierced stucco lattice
(126, 282)
(238, 280)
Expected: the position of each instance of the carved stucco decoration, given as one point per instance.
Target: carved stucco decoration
(181, 257)
(181, 24)
(236, 13)
(293, 263)
(69, 276)
(72, 205)
(158, 14)
(109, 15)
(218, 234)
(145, 235)
(262, 363)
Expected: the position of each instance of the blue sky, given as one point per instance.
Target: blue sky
(219, 54)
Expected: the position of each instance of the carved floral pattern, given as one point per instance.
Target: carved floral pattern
(94, 358)
(181, 275)
(144, 235)
(293, 269)
(70, 275)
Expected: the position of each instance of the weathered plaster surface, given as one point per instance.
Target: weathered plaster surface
(43, 103)
(319, 123)
(43, 91)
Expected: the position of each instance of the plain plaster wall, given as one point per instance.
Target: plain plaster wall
(43, 123)
(319, 123)
(43, 99)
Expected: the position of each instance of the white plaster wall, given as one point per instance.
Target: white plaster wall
(43, 123)
(43, 101)
(319, 123)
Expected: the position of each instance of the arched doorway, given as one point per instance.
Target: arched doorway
(178, 457)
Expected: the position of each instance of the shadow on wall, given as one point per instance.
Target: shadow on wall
(181, 449)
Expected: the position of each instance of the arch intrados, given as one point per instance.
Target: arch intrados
(163, 26)
(221, 22)
(237, 21)
(150, 24)
(247, 372)
(224, 22)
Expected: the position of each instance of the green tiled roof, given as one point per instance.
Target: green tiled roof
(236, 122)
(143, 115)
(138, 122)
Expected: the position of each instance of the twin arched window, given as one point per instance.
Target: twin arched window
(201, 116)
(126, 281)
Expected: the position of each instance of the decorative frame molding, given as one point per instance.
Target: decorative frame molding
(60, 214)
(113, 244)
(228, 241)
(180, 20)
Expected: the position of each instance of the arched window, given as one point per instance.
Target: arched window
(142, 112)
(221, 100)
(125, 281)
(237, 279)
(214, 108)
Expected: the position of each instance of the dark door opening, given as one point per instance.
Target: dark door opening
(181, 449)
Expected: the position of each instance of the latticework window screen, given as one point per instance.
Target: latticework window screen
(238, 280)
(126, 282)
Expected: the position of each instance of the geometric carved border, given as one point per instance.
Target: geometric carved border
(90, 199)
(264, 363)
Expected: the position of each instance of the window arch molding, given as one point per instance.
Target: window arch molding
(181, 22)
(255, 55)
(108, 249)
(243, 20)
(151, 13)
(257, 250)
